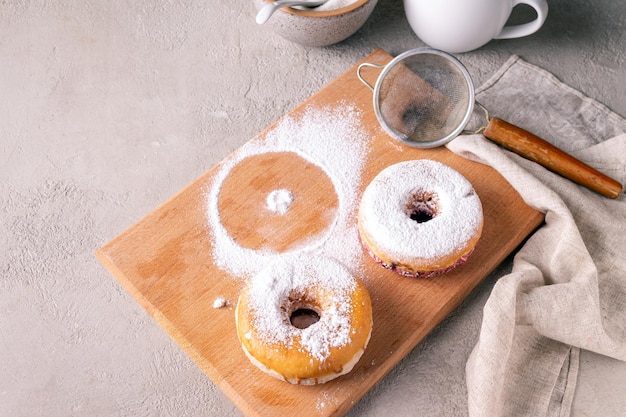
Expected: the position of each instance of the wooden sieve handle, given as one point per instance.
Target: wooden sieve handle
(549, 156)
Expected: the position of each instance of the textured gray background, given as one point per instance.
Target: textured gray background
(108, 108)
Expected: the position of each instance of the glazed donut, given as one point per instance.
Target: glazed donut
(333, 338)
(420, 218)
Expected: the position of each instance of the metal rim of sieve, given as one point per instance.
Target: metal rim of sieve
(467, 105)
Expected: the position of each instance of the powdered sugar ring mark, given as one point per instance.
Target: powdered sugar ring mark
(231, 256)
(279, 201)
(330, 138)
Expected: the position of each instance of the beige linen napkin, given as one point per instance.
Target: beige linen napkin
(567, 289)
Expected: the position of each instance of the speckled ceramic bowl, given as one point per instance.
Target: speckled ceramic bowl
(318, 27)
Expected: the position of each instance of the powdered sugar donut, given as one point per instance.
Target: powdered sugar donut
(420, 218)
(329, 341)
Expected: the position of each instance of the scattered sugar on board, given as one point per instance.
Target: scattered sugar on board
(279, 201)
(331, 138)
(220, 302)
(326, 400)
(273, 285)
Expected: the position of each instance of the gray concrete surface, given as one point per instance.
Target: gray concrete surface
(110, 107)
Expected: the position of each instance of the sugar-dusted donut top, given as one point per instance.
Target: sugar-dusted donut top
(383, 211)
(272, 291)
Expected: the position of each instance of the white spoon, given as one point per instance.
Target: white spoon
(269, 9)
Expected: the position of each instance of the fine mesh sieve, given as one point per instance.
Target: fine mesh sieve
(425, 97)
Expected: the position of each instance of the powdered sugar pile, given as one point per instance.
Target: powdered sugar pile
(279, 200)
(335, 4)
(329, 5)
(331, 138)
(220, 302)
(271, 289)
(383, 211)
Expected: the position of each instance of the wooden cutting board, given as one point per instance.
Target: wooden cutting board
(165, 262)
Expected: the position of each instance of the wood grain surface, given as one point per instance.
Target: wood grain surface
(165, 262)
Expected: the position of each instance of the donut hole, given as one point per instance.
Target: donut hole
(422, 206)
(304, 317)
(301, 310)
(421, 216)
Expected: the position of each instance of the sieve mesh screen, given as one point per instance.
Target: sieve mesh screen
(425, 97)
